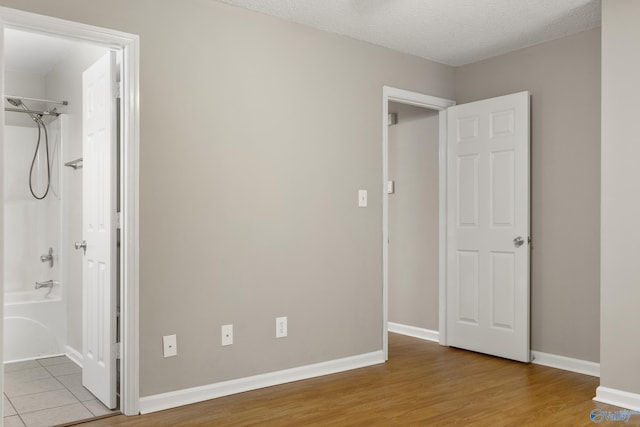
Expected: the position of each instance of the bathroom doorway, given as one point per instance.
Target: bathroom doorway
(53, 212)
(45, 178)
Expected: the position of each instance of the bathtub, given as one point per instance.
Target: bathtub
(34, 324)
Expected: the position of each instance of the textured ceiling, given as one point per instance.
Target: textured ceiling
(453, 32)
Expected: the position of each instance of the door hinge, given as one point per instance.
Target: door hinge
(119, 220)
(117, 350)
(116, 90)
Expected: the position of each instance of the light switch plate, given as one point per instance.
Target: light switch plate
(362, 198)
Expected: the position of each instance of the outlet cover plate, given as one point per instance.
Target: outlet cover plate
(170, 345)
(227, 335)
(281, 327)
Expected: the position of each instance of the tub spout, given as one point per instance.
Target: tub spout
(48, 257)
(46, 284)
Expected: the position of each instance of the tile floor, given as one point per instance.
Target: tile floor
(47, 392)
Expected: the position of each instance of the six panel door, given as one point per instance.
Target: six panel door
(488, 226)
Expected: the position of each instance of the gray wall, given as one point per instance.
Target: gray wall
(64, 82)
(413, 217)
(620, 293)
(255, 136)
(563, 77)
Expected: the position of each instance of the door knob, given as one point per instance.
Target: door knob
(82, 246)
(518, 241)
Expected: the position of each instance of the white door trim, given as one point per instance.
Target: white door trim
(433, 103)
(129, 45)
(2, 214)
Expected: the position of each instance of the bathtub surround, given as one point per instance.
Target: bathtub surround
(31, 226)
(34, 318)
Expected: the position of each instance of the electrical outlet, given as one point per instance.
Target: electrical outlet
(170, 345)
(281, 327)
(227, 334)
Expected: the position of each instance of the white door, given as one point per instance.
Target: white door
(488, 226)
(99, 230)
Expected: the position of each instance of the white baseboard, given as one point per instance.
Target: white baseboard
(620, 398)
(566, 363)
(540, 358)
(413, 331)
(177, 398)
(74, 355)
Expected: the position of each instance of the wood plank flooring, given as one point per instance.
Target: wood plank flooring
(422, 384)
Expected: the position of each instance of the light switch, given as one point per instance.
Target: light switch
(362, 198)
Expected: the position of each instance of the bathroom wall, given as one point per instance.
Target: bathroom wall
(64, 82)
(31, 226)
(413, 217)
(20, 83)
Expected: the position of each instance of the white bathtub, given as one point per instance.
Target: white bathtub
(34, 324)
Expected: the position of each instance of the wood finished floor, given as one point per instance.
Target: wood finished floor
(422, 384)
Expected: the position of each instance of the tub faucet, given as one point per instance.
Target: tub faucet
(46, 284)
(48, 257)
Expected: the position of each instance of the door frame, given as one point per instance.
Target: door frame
(129, 45)
(431, 103)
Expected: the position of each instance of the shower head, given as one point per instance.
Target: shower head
(15, 102)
